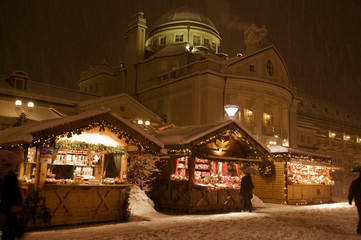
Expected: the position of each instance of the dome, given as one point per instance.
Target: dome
(183, 14)
(183, 25)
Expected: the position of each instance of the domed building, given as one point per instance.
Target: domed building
(183, 25)
(176, 70)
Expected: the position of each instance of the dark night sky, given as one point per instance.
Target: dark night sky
(319, 40)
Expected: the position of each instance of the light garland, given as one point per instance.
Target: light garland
(50, 139)
(83, 146)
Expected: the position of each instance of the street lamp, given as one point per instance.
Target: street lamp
(23, 111)
(231, 110)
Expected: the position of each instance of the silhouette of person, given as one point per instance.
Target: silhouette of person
(355, 193)
(246, 192)
(10, 202)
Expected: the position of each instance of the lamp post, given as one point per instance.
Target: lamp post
(231, 110)
(23, 111)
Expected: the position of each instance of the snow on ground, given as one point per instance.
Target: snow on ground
(268, 221)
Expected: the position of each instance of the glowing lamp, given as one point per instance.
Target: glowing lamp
(140, 122)
(18, 103)
(231, 110)
(30, 104)
(331, 134)
(147, 123)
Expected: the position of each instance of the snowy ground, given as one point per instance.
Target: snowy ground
(268, 221)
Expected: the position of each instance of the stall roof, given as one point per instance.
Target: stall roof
(281, 149)
(188, 135)
(29, 132)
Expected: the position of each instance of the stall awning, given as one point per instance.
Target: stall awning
(232, 159)
(285, 150)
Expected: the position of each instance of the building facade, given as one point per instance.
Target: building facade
(174, 72)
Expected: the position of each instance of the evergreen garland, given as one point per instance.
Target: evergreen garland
(267, 168)
(83, 146)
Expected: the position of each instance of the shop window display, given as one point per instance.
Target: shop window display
(308, 174)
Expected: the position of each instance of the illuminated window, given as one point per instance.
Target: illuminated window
(196, 40)
(179, 38)
(248, 115)
(162, 41)
(269, 67)
(267, 119)
(346, 137)
(206, 42)
(331, 134)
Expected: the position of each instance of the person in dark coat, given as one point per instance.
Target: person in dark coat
(10, 202)
(246, 192)
(355, 193)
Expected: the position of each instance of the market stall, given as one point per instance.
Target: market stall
(200, 172)
(307, 175)
(80, 164)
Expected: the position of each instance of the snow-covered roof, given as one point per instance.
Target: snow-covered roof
(281, 149)
(28, 133)
(39, 113)
(187, 134)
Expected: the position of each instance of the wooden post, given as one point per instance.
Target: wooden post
(191, 166)
(40, 171)
(123, 167)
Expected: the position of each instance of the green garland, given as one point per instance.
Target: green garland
(83, 146)
(267, 168)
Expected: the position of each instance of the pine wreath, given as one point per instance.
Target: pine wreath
(267, 168)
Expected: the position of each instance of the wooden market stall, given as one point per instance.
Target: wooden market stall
(200, 172)
(306, 176)
(80, 164)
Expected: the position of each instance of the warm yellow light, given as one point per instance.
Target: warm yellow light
(249, 113)
(331, 134)
(140, 122)
(18, 103)
(346, 137)
(94, 138)
(358, 140)
(147, 123)
(267, 116)
(30, 104)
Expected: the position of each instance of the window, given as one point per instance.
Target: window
(267, 119)
(269, 67)
(251, 68)
(19, 83)
(179, 38)
(206, 42)
(155, 43)
(162, 41)
(248, 115)
(196, 40)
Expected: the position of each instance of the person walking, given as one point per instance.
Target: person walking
(354, 193)
(246, 192)
(10, 197)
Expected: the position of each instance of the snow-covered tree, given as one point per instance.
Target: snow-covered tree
(142, 171)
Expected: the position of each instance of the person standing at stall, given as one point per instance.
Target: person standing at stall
(246, 192)
(10, 197)
(355, 193)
